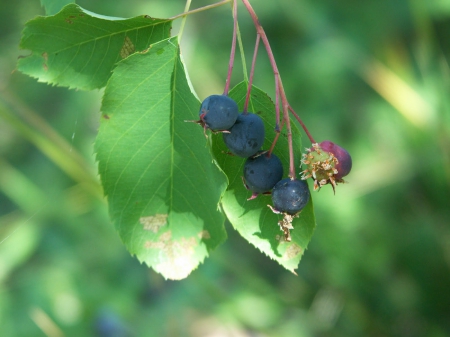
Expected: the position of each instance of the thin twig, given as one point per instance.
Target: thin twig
(277, 106)
(183, 22)
(284, 102)
(201, 9)
(233, 50)
(277, 135)
(303, 125)
(252, 72)
(242, 53)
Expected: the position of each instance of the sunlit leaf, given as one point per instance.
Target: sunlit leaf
(79, 49)
(157, 172)
(253, 219)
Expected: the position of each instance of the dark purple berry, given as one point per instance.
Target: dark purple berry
(290, 196)
(261, 173)
(246, 136)
(218, 112)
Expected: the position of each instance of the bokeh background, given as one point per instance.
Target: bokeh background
(371, 75)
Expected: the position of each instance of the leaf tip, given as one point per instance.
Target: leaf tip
(177, 258)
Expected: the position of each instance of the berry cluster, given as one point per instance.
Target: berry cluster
(243, 134)
(244, 138)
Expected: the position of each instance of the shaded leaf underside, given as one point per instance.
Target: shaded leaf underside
(253, 219)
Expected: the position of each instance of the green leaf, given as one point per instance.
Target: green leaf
(253, 219)
(157, 171)
(79, 49)
(54, 6)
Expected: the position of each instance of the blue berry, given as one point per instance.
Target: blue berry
(246, 136)
(290, 196)
(261, 173)
(218, 112)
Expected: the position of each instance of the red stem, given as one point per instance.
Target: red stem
(261, 32)
(303, 125)
(252, 72)
(233, 50)
(277, 135)
(284, 102)
(286, 119)
(277, 106)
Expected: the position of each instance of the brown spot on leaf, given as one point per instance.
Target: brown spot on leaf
(44, 65)
(153, 223)
(105, 116)
(204, 235)
(292, 251)
(69, 21)
(165, 236)
(127, 48)
(145, 50)
(154, 245)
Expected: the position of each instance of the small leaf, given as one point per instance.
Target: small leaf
(79, 49)
(252, 218)
(54, 6)
(157, 172)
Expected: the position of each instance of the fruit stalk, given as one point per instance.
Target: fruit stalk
(280, 90)
(286, 119)
(278, 83)
(252, 72)
(303, 125)
(277, 107)
(277, 135)
(233, 50)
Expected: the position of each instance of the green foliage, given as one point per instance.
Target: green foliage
(163, 188)
(54, 6)
(253, 219)
(379, 261)
(157, 171)
(79, 49)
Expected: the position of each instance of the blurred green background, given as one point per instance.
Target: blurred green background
(371, 75)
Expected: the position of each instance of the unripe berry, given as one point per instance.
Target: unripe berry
(326, 163)
(344, 164)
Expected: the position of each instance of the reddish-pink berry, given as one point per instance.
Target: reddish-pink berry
(326, 163)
